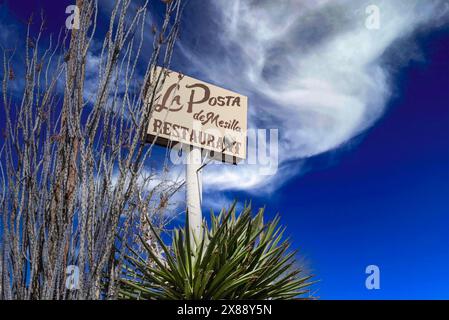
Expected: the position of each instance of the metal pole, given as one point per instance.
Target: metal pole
(194, 192)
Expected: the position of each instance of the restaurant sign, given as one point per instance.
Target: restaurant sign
(196, 113)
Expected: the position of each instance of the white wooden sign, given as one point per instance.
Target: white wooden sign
(200, 114)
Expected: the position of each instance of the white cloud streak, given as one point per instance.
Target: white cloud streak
(310, 68)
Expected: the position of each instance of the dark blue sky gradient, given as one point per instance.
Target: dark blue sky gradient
(386, 200)
(382, 199)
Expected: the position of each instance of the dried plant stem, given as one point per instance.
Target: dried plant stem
(73, 183)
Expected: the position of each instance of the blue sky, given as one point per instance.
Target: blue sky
(384, 201)
(363, 120)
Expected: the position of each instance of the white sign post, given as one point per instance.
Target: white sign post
(203, 118)
(194, 191)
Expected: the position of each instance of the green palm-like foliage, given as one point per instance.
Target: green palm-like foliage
(238, 257)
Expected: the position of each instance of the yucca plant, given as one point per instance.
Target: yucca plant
(238, 257)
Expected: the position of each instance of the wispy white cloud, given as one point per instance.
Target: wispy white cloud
(217, 202)
(310, 68)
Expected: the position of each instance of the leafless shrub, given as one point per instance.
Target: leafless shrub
(73, 186)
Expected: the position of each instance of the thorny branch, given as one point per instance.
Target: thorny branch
(73, 186)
